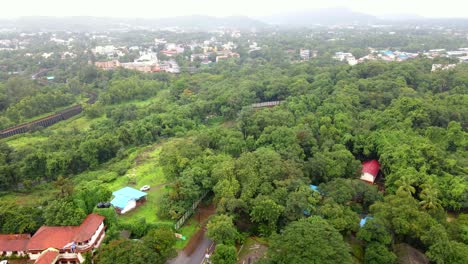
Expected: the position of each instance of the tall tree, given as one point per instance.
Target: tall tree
(311, 240)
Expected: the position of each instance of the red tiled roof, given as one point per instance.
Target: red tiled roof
(372, 167)
(16, 242)
(47, 257)
(52, 236)
(59, 236)
(88, 227)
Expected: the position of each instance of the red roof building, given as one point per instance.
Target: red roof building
(51, 244)
(370, 170)
(49, 256)
(13, 244)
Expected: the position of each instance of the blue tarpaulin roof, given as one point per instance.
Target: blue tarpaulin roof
(387, 52)
(124, 195)
(314, 187)
(364, 220)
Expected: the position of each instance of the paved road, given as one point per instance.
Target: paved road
(196, 257)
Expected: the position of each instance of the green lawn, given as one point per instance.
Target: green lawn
(188, 230)
(79, 122)
(20, 141)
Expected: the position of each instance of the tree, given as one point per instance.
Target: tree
(63, 213)
(266, 212)
(127, 251)
(64, 185)
(222, 230)
(224, 254)
(429, 200)
(342, 218)
(311, 240)
(441, 249)
(405, 184)
(401, 214)
(161, 240)
(378, 254)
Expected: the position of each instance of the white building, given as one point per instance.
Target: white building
(305, 54)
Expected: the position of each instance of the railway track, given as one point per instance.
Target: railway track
(48, 120)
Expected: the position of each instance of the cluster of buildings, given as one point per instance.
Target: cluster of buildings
(385, 55)
(345, 56)
(67, 244)
(56, 244)
(461, 54)
(211, 51)
(388, 55)
(147, 62)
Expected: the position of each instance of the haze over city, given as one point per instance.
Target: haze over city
(158, 9)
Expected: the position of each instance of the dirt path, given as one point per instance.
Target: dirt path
(196, 248)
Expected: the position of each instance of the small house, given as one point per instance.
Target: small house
(370, 170)
(127, 199)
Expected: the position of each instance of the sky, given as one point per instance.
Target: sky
(252, 8)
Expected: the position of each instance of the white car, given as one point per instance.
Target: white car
(4, 262)
(145, 188)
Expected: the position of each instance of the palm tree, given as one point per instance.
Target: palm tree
(429, 198)
(405, 185)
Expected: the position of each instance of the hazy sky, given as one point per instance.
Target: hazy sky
(166, 8)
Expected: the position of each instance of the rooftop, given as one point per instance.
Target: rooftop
(16, 242)
(372, 167)
(126, 194)
(60, 236)
(48, 256)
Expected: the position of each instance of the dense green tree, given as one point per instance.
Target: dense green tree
(224, 254)
(127, 251)
(161, 240)
(311, 240)
(378, 254)
(63, 212)
(221, 229)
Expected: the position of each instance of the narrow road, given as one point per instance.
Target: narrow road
(196, 257)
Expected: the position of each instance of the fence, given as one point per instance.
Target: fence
(189, 212)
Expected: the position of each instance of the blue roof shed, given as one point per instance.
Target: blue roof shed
(314, 187)
(126, 194)
(364, 220)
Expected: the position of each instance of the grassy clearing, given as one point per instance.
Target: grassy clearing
(188, 230)
(21, 141)
(35, 197)
(79, 122)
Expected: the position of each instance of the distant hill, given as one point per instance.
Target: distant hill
(328, 16)
(400, 17)
(82, 23)
(210, 22)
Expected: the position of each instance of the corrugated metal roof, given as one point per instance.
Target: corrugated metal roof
(124, 195)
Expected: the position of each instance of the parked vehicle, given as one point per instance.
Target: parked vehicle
(145, 188)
